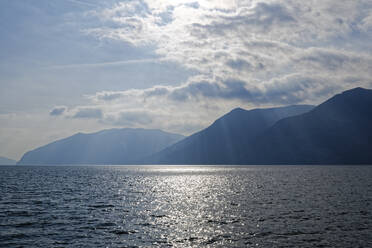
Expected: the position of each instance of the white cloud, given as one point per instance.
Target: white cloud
(105, 64)
(131, 118)
(87, 113)
(366, 24)
(246, 53)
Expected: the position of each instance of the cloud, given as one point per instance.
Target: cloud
(130, 118)
(107, 96)
(366, 23)
(244, 53)
(58, 111)
(229, 89)
(83, 3)
(78, 112)
(261, 17)
(238, 64)
(179, 65)
(88, 113)
(297, 88)
(240, 39)
(328, 61)
(106, 64)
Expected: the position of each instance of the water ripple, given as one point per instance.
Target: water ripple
(297, 206)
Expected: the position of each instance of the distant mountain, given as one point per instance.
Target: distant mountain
(228, 139)
(338, 131)
(7, 161)
(114, 146)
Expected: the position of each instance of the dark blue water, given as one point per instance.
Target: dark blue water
(294, 206)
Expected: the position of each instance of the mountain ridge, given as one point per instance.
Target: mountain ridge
(224, 140)
(109, 146)
(338, 131)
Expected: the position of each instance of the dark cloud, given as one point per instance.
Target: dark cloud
(264, 17)
(229, 89)
(325, 59)
(88, 113)
(267, 14)
(236, 89)
(329, 61)
(195, 89)
(291, 89)
(296, 88)
(57, 111)
(238, 64)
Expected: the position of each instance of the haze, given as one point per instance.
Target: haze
(86, 65)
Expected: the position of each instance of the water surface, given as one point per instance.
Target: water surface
(256, 206)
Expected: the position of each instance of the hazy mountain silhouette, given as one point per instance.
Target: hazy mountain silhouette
(114, 146)
(7, 161)
(227, 140)
(338, 131)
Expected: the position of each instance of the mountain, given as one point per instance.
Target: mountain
(114, 146)
(7, 161)
(227, 140)
(338, 131)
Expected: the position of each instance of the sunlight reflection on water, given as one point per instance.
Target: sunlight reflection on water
(186, 206)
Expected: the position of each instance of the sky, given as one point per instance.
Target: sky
(69, 66)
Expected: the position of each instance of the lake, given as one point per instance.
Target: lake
(186, 206)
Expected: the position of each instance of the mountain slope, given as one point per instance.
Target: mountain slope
(227, 139)
(7, 161)
(114, 146)
(338, 131)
